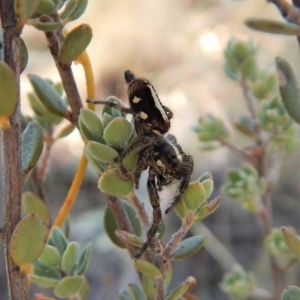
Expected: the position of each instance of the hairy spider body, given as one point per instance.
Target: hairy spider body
(167, 164)
(158, 152)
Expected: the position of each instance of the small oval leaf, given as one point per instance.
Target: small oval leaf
(194, 196)
(110, 223)
(45, 282)
(292, 241)
(32, 142)
(91, 121)
(146, 268)
(188, 247)
(8, 91)
(117, 132)
(272, 26)
(50, 257)
(28, 240)
(291, 293)
(69, 257)
(48, 95)
(84, 259)
(101, 152)
(289, 88)
(32, 204)
(75, 43)
(58, 240)
(111, 183)
(136, 292)
(181, 289)
(68, 286)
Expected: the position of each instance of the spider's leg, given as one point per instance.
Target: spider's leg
(157, 216)
(141, 165)
(187, 169)
(121, 108)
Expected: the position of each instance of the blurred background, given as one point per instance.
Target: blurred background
(178, 45)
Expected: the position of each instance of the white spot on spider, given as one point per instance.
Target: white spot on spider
(158, 103)
(136, 100)
(156, 132)
(160, 164)
(143, 115)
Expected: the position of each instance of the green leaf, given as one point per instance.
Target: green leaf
(188, 247)
(101, 152)
(48, 95)
(181, 209)
(74, 44)
(8, 91)
(23, 56)
(124, 296)
(45, 282)
(207, 182)
(148, 286)
(69, 257)
(117, 132)
(96, 164)
(58, 240)
(136, 292)
(32, 142)
(46, 26)
(91, 121)
(84, 290)
(68, 9)
(46, 7)
(79, 10)
(42, 270)
(248, 68)
(25, 8)
(65, 131)
(146, 268)
(84, 259)
(289, 88)
(50, 257)
(194, 196)
(272, 26)
(110, 223)
(28, 240)
(68, 286)
(31, 204)
(111, 183)
(291, 293)
(292, 241)
(180, 290)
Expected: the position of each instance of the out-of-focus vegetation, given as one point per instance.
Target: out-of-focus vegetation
(179, 46)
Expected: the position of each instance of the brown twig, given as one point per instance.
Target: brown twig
(140, 209)
(177, 237)
(11, 155)
(66, 75)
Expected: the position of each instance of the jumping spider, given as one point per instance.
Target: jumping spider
(160, 153)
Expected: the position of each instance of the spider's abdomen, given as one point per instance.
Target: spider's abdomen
(144, 101)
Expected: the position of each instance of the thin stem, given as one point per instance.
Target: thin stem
(177, 237)
(66, 76)
(140, 209)
(72, 194)
(159, 288)
(242, 153)
(11, 155)
(121, 217)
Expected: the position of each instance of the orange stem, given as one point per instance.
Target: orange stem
(84, 60)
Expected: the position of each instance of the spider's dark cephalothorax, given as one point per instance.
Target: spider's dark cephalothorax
(159, 152)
